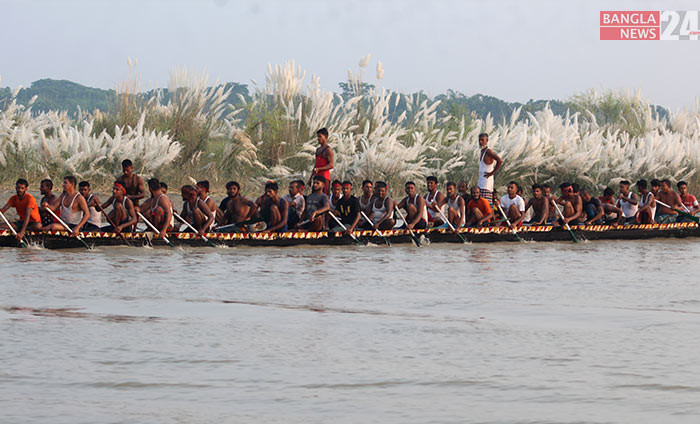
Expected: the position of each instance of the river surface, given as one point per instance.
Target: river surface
(597, 332)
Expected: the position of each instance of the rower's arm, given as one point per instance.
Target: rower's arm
(132, 213)
(419, 216)
(210, 215)
(107, 203)
(284, 208)
(6, 207)
(403, 203)
(82, 205)
(389, 204)
(358, 215)
(141, 190)
(27, 215)
(599, 215)
(252, 208)
(462, 211)
(167, 206)
(545, 214)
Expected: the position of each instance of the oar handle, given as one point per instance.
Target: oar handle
(177, 215)
(60, 221)
(344, 227)
(415, 239)
(500, 208)
(566, 224)
(153, 227)
(8, 224)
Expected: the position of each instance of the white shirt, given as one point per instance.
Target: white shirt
(507, 202)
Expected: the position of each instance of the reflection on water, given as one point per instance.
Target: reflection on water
(558, 332)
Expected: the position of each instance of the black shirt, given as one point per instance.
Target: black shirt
(348, 207)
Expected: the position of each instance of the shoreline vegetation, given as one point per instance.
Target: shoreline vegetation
(197, 130)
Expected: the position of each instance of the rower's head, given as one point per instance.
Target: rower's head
(512, 189)
(118, 190)
(609, 193)
(301, 186)
(233, 188)
(271, 189)
(682, 188)
(566, 189)
(432, 183)
(163, 187)
(546, 190)
(45, 187)
(322, 136)
(665, 186)
(585, 194)
(375, 190)
(381, 189)
(84, 188)
(293, 188)
(537, 191)
(347, 189)
(483, 140)
(154, 186)
(575, 187)
(410, 188)
(476, 193)
(127, 167)
(69, 183)
(21, 187)
(462, 187)
(318, 182)
(203, 188)
(451, 189)
(642, 186)
(367, 188)
(336, 188)
(188, 193)
(624, 187)
(655, 185)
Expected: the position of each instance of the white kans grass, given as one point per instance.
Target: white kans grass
(369, 141)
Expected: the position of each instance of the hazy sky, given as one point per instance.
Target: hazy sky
(515, 50)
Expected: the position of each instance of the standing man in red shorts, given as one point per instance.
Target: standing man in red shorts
(324, 159)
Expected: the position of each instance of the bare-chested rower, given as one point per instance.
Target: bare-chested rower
(540, 206)
(195, 210)
(647, 204)
(158, 209)
(665, 215)
(572, 206)
(123, 213)
(414, 204)
(236, 207)
(273, 209)
(45, 187)
(135, 188)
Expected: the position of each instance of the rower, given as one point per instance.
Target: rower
(547, 194)
(489, 164)
(613, 214)
(592, 208)
(238, 208)
(416, 210)
(539, 205)
(27, 210)
(665, 215)
(366, 199)
(45, 188)
(479, 211)
(347, 209)
(690, 203)
(163, 187)
(647, 204)
(94, 223)
(195, 210)
(655, 187)
(513, 205)
(158, 208)
(73, 207)
(456, 208)
(324, 158)
(295, 203)
(336, 193)
(432, 201)
(628, 202)
(123, 213)
(572, 205)
(135, 188)
(316, 205)
(273, 209)
(382, 208)
(463, 190)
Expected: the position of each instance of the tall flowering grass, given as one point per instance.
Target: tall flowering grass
(190, 130)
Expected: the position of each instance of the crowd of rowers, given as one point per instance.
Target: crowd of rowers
(339, 210)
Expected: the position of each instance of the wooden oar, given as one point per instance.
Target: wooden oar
(369, 221)
(452, 226)
(693, 217)
(515, 233)
(60, 221)
(206, 240)
(114, 226)
(153, 227)
(359, 243)
(566, 224)
(22, 242)
(413, 235)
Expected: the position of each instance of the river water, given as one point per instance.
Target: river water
(595, 332)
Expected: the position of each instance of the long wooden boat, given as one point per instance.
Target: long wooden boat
(63, 240)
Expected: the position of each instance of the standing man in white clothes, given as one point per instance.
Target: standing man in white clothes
(489, 164)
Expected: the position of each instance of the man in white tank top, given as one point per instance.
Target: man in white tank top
(489, 164)
(123, 213)
(647, 203)
(95, 221)
(416, 211)
(572, 206)
(456, 208)
(433, 200)
(628, 202)
(74, 208)
(382, 209)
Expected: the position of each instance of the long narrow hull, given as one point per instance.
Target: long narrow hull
(62, 239)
